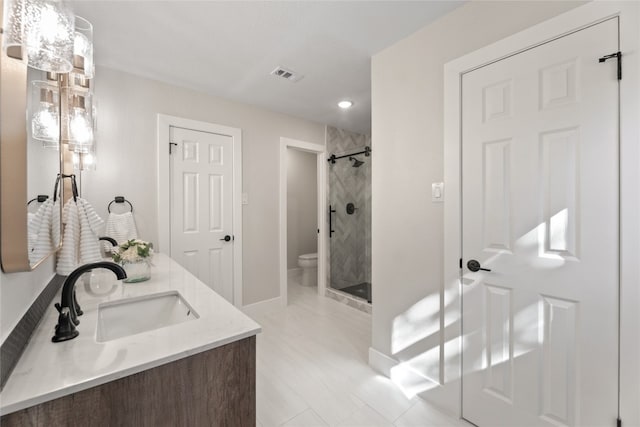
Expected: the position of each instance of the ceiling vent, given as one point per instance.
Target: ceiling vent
(292, 76)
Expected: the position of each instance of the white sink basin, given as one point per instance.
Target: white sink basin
(132, 316)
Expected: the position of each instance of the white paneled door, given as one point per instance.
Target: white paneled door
(202, 206)
(540, 211)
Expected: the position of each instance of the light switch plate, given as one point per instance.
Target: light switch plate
(245, 199)
(437, 192)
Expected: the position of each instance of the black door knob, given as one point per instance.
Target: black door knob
(474, 266)
(226, 238)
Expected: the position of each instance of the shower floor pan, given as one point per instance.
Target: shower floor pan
(362, 290)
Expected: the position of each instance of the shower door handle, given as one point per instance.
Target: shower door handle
(331, 212)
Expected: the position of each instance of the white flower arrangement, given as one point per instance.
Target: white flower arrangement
(133, 251)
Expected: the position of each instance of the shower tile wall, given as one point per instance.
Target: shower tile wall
(350, 246)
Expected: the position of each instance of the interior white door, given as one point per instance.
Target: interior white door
(201, 206)
(540, 211)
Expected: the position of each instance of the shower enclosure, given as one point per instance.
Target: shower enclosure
(349, 200)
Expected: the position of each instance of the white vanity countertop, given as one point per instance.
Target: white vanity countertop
(50, 370)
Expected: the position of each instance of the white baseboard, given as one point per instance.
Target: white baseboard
(380, 362)
(410, 381)
(263, 307)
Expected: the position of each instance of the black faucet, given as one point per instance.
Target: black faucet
(68, 307)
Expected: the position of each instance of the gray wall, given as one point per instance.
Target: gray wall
(127, 161)
(407, 93)
(302, 205)
(350, 245)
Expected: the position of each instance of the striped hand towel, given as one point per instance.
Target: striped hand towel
(89, 224)
(68, 259)
(40, 244)
(121, 227)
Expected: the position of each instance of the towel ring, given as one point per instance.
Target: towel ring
(41, 198)
(119, 199)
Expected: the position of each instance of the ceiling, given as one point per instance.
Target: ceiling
(228, 48)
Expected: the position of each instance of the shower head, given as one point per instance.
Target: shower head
(356, 163)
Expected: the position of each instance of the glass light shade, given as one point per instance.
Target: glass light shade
(80, 121)
(80, 129)
(48, 35)
(84, 156)
(85, 161)
(45, 114)
(12, 27)
(40, 32)
(53, 145)
(45, 124)
(83, 48)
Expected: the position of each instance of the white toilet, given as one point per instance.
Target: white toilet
(309, 265)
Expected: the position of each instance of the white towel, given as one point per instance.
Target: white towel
(121, 227)
(33, 224)
(89, 247)
(40, 244)
(55, 225)
(80, 238)
(95, 222)
(68, 259)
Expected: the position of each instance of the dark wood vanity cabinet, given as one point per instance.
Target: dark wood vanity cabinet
(212, 388)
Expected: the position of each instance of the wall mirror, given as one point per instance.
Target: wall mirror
(30, 219)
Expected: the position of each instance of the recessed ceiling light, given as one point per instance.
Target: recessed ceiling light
(345, 104)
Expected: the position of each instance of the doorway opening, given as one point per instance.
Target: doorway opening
(302, 216)
(302, 221)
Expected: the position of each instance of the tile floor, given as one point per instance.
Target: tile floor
(312, 370)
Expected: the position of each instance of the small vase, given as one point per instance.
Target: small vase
(137, 271)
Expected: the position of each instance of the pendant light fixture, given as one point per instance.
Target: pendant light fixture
(40, 32)
(48, 36)
(85, 160)
(81, 112)
(83, 48)
(80, 121)
(45, 118)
